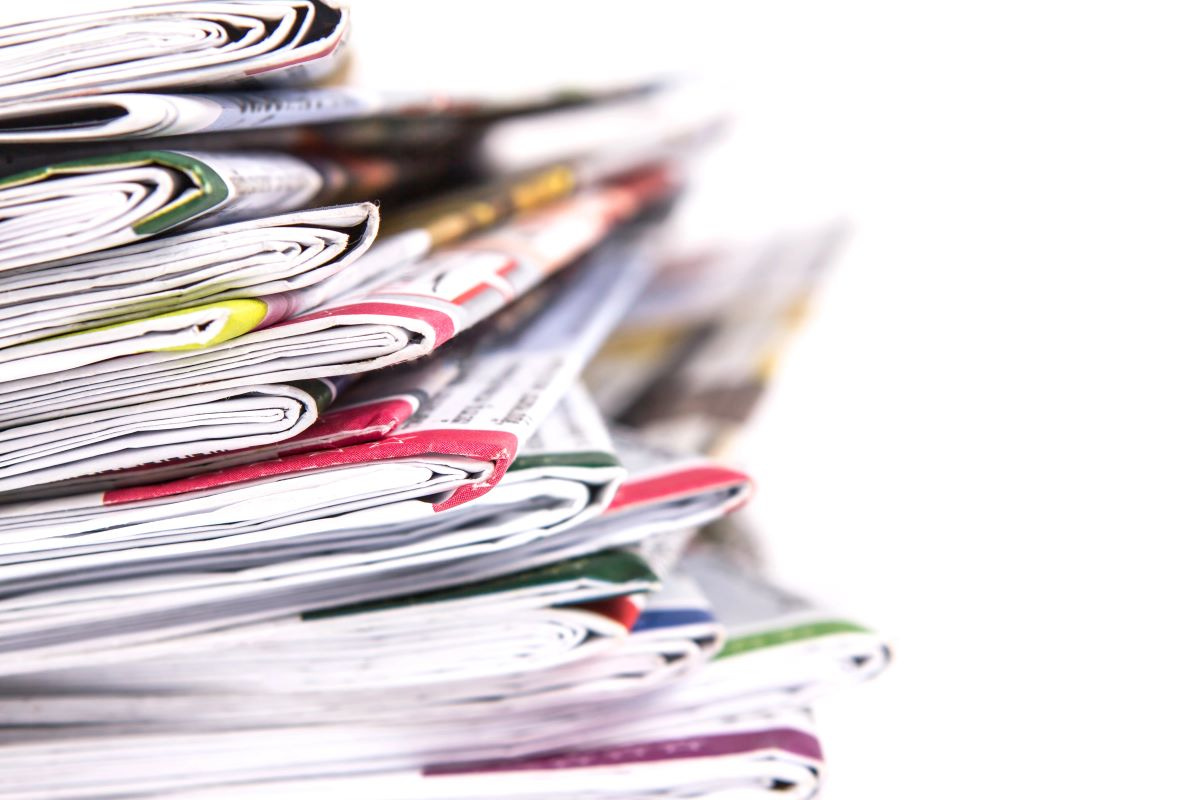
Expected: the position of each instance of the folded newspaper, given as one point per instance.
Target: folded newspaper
(144, 115)
(687, 367)
(153, 45)
(779, 646)
(214, 266)
(435, 648)
(76, 207)
(137, 409)
(664, 497)
(674, 120)
(779, 651)
(774, 752)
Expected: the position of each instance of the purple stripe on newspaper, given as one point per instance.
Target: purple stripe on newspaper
(787, 739)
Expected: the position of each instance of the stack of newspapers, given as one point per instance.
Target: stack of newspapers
(365, 445)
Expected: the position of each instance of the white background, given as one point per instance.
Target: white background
(985, 442)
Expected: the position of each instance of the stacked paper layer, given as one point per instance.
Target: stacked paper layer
(302, 487)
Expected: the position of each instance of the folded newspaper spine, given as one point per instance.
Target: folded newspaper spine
(202, 42)
(84, 206)
(236, 261)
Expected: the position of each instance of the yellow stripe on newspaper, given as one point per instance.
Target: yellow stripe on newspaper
(239, 317)
(244, 316)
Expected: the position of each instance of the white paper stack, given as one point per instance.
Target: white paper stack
(300, 498)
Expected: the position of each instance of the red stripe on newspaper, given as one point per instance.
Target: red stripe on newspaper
(622, 609)
(497, 447)
(442, 323)
(678, 483)
(499, 285)
(789, 740)
(474, 292)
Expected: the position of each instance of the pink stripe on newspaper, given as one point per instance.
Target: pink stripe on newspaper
(339, 428)
(442, 323)
(365, 423)
(789, 740)
(677, 483)
(499, 447)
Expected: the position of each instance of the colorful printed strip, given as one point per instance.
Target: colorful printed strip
(789, 740)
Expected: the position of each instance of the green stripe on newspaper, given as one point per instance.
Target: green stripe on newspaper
(207, 191)
(796, 633)
(591, 459)
(319, 389)
(618, 570)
